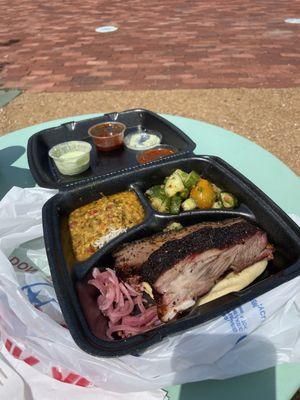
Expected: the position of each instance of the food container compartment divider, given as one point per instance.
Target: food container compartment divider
(82, 267)
(217, 213)
(254, 205)
(155, 223)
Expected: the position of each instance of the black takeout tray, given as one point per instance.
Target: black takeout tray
(78, 305)
(47, 175)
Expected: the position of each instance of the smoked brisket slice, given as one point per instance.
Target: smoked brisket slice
(130, 257)
(184, 269)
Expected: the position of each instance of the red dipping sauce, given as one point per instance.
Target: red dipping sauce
(108, 136)
(154, 154)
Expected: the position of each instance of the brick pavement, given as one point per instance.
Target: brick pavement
(53, 46)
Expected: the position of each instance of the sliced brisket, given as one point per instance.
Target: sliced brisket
(130, 257)
(186, 268)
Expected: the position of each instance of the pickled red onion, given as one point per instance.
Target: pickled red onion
(117, 300)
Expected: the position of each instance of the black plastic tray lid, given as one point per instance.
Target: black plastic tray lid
(47, 175)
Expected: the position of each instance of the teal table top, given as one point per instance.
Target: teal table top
(265, 170)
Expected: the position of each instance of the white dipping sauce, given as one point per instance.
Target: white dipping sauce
(71, 157)
(73, 162)
(71, 154)
(136, 141)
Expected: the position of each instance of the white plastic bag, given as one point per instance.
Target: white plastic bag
(34, 339)
(257, 335)
(41, 387)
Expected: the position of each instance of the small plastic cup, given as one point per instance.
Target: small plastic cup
(71, 158)
(108, 136)
(150, 153)
(140, 140)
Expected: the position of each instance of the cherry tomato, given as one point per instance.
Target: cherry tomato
(203, 194)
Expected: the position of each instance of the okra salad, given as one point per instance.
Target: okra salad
(188, 191)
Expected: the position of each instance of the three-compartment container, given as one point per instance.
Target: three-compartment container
(78, 299)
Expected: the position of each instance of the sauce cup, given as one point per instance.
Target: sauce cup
(156, 153)
(108, 136)
(71, 158)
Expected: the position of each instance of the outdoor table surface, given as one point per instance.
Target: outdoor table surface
(265, 170)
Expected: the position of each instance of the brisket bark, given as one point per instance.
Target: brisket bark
(184, 269)
(130, 257)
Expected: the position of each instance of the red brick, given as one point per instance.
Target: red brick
(101, 73)
(41, 72)
(42, 86)
(116, 82)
